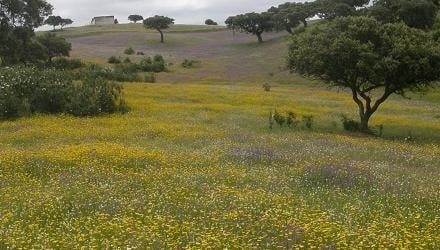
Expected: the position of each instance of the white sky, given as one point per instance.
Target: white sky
(184, 11)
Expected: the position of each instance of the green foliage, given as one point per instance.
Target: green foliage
(157, 64)
(267, 87)
(54, 46)
(53, 21)
(62, 63)
(350, 124)
(94, 96)
(414, 13)
(158, 23)
(308, 121)
(28, 90)
(287, 16)
(28, 14)
(210, 22)
(252, 23)
(189, 63)
(135, 18)
(370, 57)
(331, 9)
(114, 60)
(127, 60)
(129, 51)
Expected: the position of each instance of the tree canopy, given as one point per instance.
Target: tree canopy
(371, 59)
(210, 22)
(135, 18)
(18, 18)
(158, 23)
(252, 23)
(287, 16)
(415, 13)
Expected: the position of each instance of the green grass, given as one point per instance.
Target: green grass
(196, 166)
(118, 28)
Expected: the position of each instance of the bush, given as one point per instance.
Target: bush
(127, 60)
(350, 124)
(140, 53)
(28, 90)
(291, 120)
(279, 118)
(267, 87)
(96, 95)
(129, 51)
(308, 121)
(114, 60)
(157, 64)
(63, 63)
(187, 63)
(126, 72)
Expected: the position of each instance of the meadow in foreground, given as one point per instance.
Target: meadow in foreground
(196, 166)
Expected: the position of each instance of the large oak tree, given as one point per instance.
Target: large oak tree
(370, 59)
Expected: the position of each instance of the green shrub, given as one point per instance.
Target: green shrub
(114, 60)
(66, 63)
(127, 60)
(350, 124)
(291, 120)
(267, 87)
(28, 90)
(187, 63)
(279, 118)
(308, 121)
(140, 53)
(96, 95)
(157, 64)
(129, 51)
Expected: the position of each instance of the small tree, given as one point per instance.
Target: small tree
(65, 22)
(54, 21)
(54, 46)
(252, 23)
(158, 23)
(372, 60)
(210, 22)
(135, 18)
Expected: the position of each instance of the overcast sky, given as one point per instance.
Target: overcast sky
(184, 11)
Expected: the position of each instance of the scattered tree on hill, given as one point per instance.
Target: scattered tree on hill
(53, 21)
(135, 18)
(415, 13)
(252, 23)
(65, 22)
(54, 46)
(331, 9)
(116, 21)
(210, 22)
(372, 60)
(158, 23)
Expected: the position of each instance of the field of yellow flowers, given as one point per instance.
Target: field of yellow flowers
(196, 166)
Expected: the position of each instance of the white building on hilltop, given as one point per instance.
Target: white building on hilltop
(102, 20)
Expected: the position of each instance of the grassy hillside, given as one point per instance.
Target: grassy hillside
(120, 28)
(194, 163)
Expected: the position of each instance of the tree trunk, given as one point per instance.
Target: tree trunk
(289, 29)
(364, 126)
(260, 39)
(161, 36)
